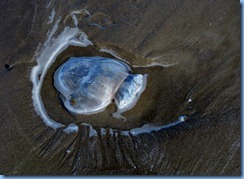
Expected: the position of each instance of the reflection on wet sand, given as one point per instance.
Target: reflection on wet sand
(187, 121)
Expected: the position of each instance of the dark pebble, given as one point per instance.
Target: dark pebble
(8, 67)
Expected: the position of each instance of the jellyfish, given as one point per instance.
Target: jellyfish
(87, 85)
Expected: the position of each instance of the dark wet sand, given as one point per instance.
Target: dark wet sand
(202, 38)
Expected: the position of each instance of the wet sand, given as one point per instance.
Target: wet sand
(201, 40)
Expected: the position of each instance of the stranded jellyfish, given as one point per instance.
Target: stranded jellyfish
(87, 85)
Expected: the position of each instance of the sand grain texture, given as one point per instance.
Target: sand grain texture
(200, 39)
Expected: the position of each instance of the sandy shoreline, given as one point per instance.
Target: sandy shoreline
(202, 39)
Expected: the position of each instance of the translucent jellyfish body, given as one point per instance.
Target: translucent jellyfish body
(88, 84)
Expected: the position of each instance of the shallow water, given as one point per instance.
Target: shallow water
(192, 59)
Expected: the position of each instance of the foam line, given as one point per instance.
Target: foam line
(51, 17)
(45, 56)
(71, 128)
(113, 53)
(153, 64)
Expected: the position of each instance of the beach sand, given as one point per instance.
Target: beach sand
(196, 44)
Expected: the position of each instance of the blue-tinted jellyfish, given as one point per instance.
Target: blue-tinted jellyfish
(88, 84)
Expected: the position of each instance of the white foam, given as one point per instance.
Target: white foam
(111, 131)
(45, 56)
(114, 54)
(50, 34)
(182, 118)
(68, 151)
(103, 131)
(75, 20)
(80, 11)
(51, 17)
(125, 133)
(71, 128)
(154, 64)
(48, 4)
(147, 128)
(92, 131)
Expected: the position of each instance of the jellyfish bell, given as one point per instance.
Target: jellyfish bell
(129, 93)
(88, 85)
